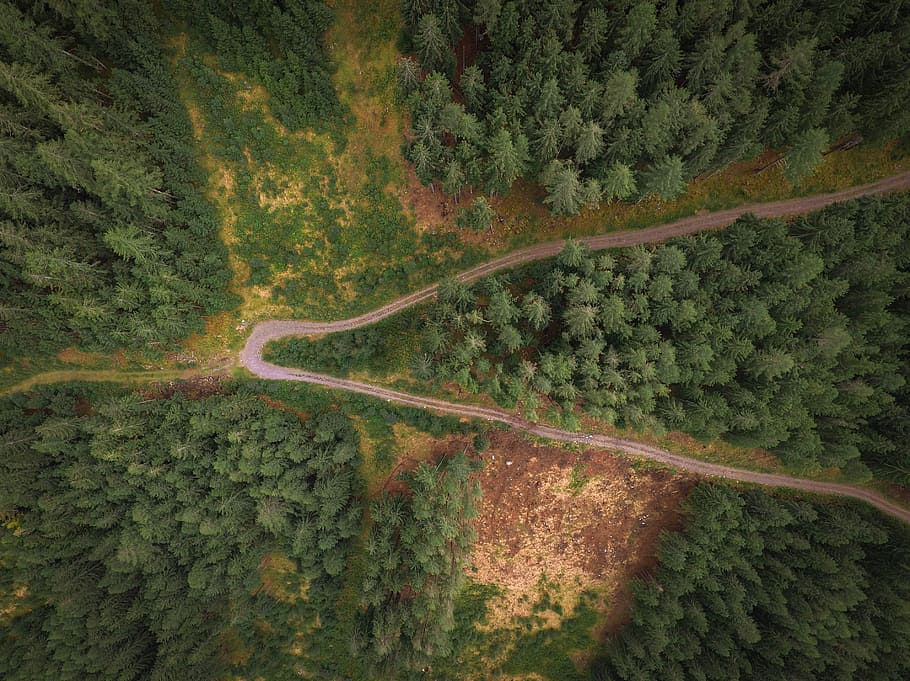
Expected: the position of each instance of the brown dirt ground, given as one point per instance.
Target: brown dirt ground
(192, 389)
(899, 492)
(426, 206)
(532, 524)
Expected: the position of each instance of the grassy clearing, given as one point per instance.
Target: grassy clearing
(102, 376)
(549, 643)
(313, 220)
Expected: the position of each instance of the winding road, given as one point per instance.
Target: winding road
(251, 355)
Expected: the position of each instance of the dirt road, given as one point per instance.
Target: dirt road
(251, 355)
(690, 225)
(264, 369)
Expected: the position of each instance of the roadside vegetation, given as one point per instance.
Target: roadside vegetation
(789, 337)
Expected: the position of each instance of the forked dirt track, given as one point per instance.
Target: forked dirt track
(251, 355)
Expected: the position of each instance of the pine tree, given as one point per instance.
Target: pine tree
(805, 154)
(431, 42)
(618, 182)
(507, 159)
(564, 190)
(664, 178)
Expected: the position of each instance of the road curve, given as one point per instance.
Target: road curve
(690, 225)
(251, 355)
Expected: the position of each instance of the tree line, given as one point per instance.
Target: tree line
(786, 336)
(415, 555)
(601, 101)
(105, 238)
(765, 587)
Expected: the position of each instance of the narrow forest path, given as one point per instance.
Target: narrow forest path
(251, 355)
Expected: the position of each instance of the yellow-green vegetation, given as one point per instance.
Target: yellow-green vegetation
(526, 220)
(313, 218)
(99, 376)
(547, 642)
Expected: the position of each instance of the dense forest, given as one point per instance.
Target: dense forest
(790, 337)
(760, 587)
(104, 237)
(141, 535)
(601, 101)
(135, 530)
(419, 541)
(236, 529)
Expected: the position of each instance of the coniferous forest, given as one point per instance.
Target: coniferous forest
(790, 337)
(231, 527)
(601, 101)
(136, 531)
(760, 587)
(105, 239)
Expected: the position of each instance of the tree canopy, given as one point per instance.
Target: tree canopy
(105, 238)
(786, 336)
(763, 587)
(664, 90)
(138, 532)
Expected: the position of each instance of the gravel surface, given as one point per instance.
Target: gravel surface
(251, 355)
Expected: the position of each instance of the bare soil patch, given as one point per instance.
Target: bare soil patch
(587, 520)
(431, 209)
(192, 389)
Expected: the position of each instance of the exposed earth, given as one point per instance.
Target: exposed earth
(586, 520)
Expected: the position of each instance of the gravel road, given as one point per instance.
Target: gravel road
(690, 225)
(251, 355)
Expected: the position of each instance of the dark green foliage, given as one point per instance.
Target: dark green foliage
(764, 588)
(668, 90)
(791, 338)
(278, 43)
(415, 553)
(104, 238)
(383, 348)
(806, 153)
(140, 529)
(479, 216)
(665, 178)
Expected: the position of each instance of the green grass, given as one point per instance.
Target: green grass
(527, 222)
(524, 645)
(577, 479)
(313, 220)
